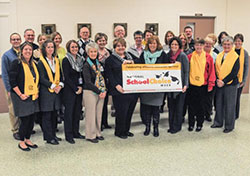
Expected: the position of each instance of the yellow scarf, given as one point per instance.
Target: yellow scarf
(30, 86)
(56, 79)
(197, 68)
(224, 69)
(242, 59)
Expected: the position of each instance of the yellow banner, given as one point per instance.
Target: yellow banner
(141, 67)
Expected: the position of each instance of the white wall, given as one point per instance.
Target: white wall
(102, 14)
(230, 15)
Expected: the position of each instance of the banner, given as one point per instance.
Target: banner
(151, 77)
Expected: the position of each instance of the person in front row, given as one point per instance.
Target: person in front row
(227, 67)
(72, 66)
(50, 87)
(243, 71)
(176, 99)
(101, 40)
(151, 102)
(202, 80)
(24, 82)
(93, 94)
(124, 103)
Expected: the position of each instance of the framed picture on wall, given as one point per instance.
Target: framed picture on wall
(153, 27)
(80, 25)
(125, 25)
(48, 29)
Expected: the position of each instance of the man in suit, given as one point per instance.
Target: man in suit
(29, 36)
(189, 33)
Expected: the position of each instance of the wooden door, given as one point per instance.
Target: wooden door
(201, 25)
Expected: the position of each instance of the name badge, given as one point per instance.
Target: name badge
(80, 80)
(101, 69)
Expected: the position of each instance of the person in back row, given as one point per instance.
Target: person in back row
(7, 58)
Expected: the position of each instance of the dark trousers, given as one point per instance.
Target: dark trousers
(49, 121)
(105, 111)
(185, 105)
(73, 110)
(237, 113)
(163, 102)
(124, 108)
(175, 111)
(152, 111)
(225, 106)
(208, 104)
(196, 100)
(38, 119)
(26, 126)
(143, 108)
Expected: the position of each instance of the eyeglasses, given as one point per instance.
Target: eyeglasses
(17, 39)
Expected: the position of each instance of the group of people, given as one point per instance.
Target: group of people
(42, 80)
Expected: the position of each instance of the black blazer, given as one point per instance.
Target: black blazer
(114, 73)
(48, 101)
(16, 75)
(71, 81)
(89, 77)
(71, 77)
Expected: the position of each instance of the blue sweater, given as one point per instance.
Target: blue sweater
(7, 59)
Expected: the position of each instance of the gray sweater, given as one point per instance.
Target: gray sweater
(182, 58)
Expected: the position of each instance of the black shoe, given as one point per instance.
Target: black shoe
(156, 132)
(169, 131)
(215, 126)
(227, 131)
(191, 128)
(79, 136)
(92, 140)
(33, 132)
(129, 134)
(113, 114)
(71, 141)
(101, 138)
(34, 146)
(24, 149)
(174, 131)
(53, 142)
(208, 118)
(147, 131)
(58, 139)
(198, 129)
(107, 127)
(16, 136)
(122, 137)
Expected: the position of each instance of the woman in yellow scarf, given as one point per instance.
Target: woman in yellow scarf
(50, 87)
(24, 79)
(202, 81)
(227, 68)
(242, 75)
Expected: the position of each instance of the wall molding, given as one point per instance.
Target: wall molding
(4, 14)
(4, 1)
